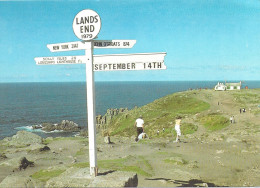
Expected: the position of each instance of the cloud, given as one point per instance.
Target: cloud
(67, 74)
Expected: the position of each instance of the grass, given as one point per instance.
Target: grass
(214, 122)
(160, 114)
(49, 140)
(131, 164)
(45, 175)
(82, 151)
(176, 162)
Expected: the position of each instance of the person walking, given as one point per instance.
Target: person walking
(231, 119)
(139, 124)
(178, 128)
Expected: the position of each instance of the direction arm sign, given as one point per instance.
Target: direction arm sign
(114, 43)
(60, 60)
(140, 61)
(112, 62)
(68, 46)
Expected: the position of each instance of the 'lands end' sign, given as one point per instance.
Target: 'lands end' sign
(86, 24)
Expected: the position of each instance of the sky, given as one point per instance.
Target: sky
(204, 39)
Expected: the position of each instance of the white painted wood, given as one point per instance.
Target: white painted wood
(114, 43)
(60, 60)
(91, 109)
(67, 46)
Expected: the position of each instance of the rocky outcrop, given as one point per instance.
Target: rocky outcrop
(18, 163)
(107, 118)
(22, 139)
(64, 125)
(18, 181)
(80, 177)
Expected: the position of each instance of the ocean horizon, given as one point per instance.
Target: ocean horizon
(32, 103)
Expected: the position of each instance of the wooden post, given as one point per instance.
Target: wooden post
(90, 85)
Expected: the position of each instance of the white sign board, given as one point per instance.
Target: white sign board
(86, 24)
(68, 46)
(126, 62)
(60, 60)
(114, 43)
(112, 62)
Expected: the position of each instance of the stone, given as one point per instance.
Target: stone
(64, 125)
(80, 177)
(18, 181)
(18, 163)
(24, 138)
(107, 139)
(3, 156)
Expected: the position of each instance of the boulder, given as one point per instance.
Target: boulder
(3, 156)
(64, 125)
(48, 127)
(80, 177)
(18, 181)
(107, 139)
(18, 163)
(24, 138)
(67, 125)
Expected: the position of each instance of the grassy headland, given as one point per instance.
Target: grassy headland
(161, 114)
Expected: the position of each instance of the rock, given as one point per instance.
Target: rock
(193, 164)
(35, 148)
(24, 138)
(45, 148)
(37, 126)
(177, 160)
(107, 139)
(18, 163)
(65, 125)
(18, 181)
(232, 139)
(48, 127)
(80, 177)
(24, 163)
(3, 156)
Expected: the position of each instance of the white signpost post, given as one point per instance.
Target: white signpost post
(86, 26)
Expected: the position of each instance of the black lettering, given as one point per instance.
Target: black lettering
(159, 65)
(105, 66)
(86, 20)
(119, 66)
(56, 47)
(123, 66)
(92, 28)
(82, 20)
(65, 46)
(96, 18)
(128, 65)
(81, 29)
(100, 66)
(114, 66)
(96, 67)
(109, 66)
(133, 66)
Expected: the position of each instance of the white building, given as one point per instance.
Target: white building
(228, 86)
(234, 86)
(220, 87)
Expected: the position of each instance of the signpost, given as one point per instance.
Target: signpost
(86, 26)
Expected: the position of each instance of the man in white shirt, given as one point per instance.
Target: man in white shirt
(139, 124)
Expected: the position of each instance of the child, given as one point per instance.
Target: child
(177, 128)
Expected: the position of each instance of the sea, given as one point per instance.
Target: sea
(23, 105)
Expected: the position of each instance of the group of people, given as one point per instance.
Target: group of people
(139, 124)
